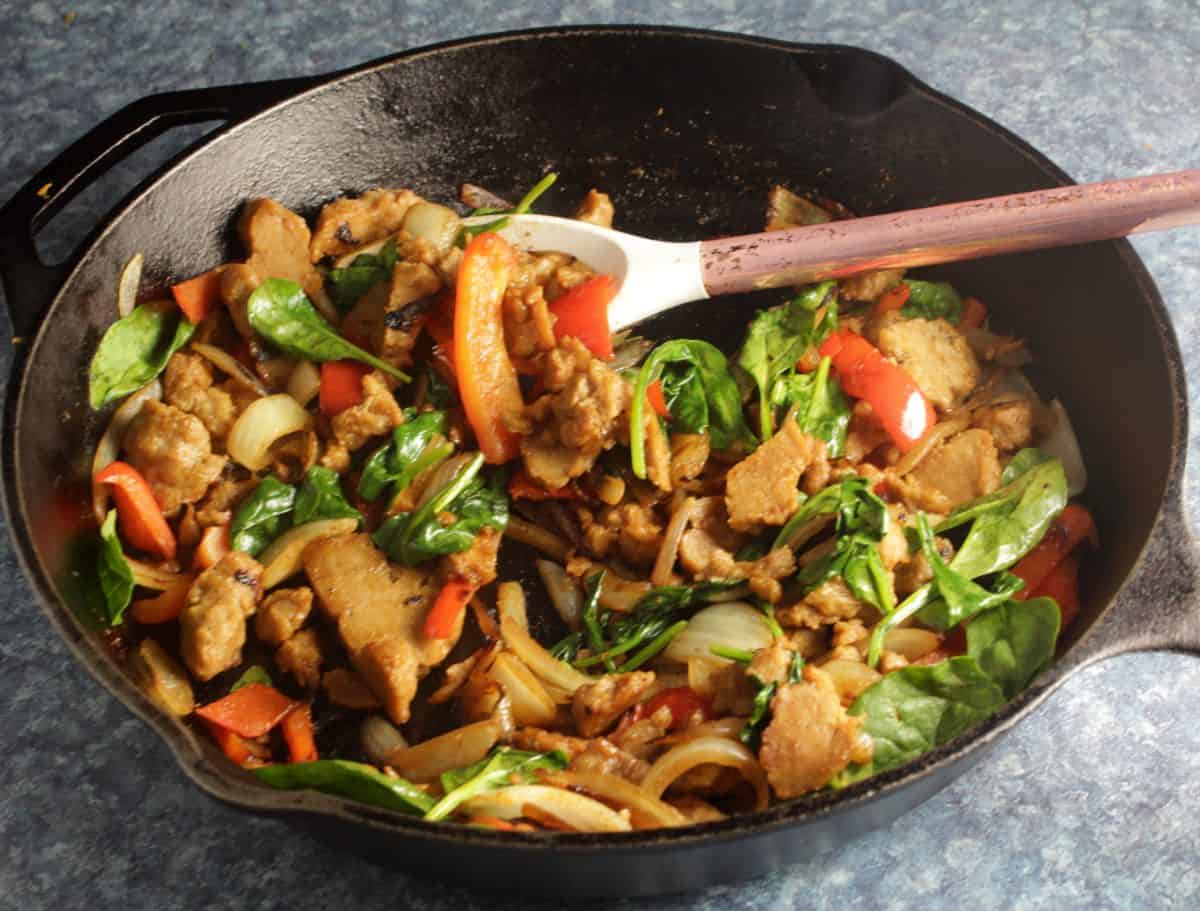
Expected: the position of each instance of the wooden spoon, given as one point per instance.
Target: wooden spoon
(655, 276)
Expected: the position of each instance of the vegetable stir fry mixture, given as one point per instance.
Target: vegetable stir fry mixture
(774, 569)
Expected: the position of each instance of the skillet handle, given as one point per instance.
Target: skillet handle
(29, 284)
(1159, 610)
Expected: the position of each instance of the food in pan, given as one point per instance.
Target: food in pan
(775, 569)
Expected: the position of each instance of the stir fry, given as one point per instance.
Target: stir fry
(333, 466)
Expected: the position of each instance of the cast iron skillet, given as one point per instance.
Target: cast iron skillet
(687, 130)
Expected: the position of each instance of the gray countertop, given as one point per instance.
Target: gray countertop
(1094, 802)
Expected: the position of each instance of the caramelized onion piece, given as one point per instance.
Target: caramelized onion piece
(646, 812)
(461, 747)
(702, 751)
(514, 631)
(583, 814)
(231, 366)
(109, 446)
(283, 558)
(263, 423)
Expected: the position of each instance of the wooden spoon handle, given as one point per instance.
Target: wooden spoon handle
(957, 231)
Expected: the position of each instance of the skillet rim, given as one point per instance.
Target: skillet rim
(241, 789)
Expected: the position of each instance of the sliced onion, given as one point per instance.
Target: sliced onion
(621, 594)
(433, 223)
(564, 595)
(909, 641)
(381, 738)
(148, 576)
(1062, 443)
(443, 475)
(940, 431)
(734, 624)
(109, 446)
(284, 557)
(704, 751)
(478, 197)
(230, 366)
(583, 814)
(305, 383)
(263, 423)
(537, 537)
(346, 260)
(667, 551)
(161, 678)
(645, 812)
(531, 704)
(461, 747)
(729, 728)
(514, 631)
(127, 287)
(850, 678)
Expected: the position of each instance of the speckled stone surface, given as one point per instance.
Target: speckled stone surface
(1094, 802)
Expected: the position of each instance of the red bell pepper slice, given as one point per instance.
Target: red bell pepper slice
(656, 399)
(139, 515)
(866, 374)
(198, 297)
(451, 601)
(1062, 584)
(487, 380)
(248, 712)
(974, 313)
(583, 313)
(341, 386)
(244, 752)
(683, 702)
(1069, 530)
(297, 728)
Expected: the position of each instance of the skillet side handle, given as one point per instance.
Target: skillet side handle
(29, 284)
(1159, 610)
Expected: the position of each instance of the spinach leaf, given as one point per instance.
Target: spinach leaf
(523, 206)
(1022, 462)
(116, 577)
(932, 300)
(254, 674)
(280, 312)
(1014, 480)
(960, 598)
(1000, 537)
(683, 391)
(726, 424)
(1013, 642)
(855, 506)
(822, 408)
(778, 337)
(591, 620)
(353, 780)
(505, 766)
(134, 350)
(764, 692)
(855, 559)
(320, 497)
(349, 284)
(417, 444)
(263, 516)
(415, 537)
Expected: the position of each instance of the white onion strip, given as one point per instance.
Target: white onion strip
(231, 366)
(703, 751)
(263, 423)
(284, 557)
(940, 431)
(148, 576)
(515, 633)
(461, 747)
(127, 287)
(564, 594)
(531, 704)
(646, 812)
(537, 537)
(665, 561)
(305, 383)
(109, 446)
(583, 814)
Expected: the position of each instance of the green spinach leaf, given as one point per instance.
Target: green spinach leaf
(822, 408)
(256, 673)
(1022, 462)
(1014, 480)
(280, 312)
(505, 766)
(932, 300)
(417, 444)
(353, 780)
(134, 350)
(263, 516)
(1013, 642)
(778, 337)
(960, 597)
(320, 497)
(726, 424)
(683, 391)
(116, 577)
(416, 537)
(347, 285)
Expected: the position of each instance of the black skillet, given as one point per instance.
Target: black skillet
(687, 130)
